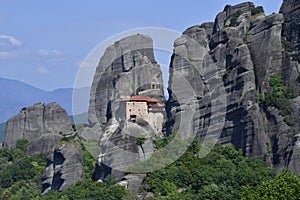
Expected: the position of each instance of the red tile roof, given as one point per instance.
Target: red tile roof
(142, 98)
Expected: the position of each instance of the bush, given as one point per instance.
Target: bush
(257, 10)
(280, 93)
(234, 18)
(284, 186)
(140, 140)
(22, 144)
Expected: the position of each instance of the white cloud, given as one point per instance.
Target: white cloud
(47, 52)
(42, 70)
(9, 42)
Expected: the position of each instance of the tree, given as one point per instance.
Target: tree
(22, 144)
(285, 186)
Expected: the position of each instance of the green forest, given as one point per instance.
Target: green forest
(224, 174)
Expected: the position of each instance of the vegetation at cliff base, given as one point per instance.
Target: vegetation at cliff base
(221, 175)
(224, 174)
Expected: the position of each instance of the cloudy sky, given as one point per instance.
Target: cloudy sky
(44, 42)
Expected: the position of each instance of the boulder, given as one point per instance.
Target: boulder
(64, 167)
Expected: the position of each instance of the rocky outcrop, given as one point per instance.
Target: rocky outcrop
(264, 41)
(245, 48)
(227, 57)
(132, 183)
(43, 144)
(120, 150)
(291, 11)
(217, 72)
(64, 167)
(38, 123)
(127, 68)
(292, 159)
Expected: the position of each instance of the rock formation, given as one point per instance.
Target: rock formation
(64, 167)
(220, 73)
(247, 48)
(127, 68)
(291, 11)
(39, 124)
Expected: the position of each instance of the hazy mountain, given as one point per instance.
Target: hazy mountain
(14, 95)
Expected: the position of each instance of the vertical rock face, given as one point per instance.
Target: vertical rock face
(64, 168)
(292, 160)
(291, 42)
(246, 49)
(291, 11)
(35, 122)
(264, 41)
(127, 68)
(231, 56)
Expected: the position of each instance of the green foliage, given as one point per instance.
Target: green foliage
(87, 189)
(279, 97)
(140, 140)
(89, 161)
(220, 175)
(20, 178)
(226, 74)
(163, 157)
(22, 144)
(234, 18)
(20, 175)
(110, 180)
(162, 142)
(286, 186)
(257, 10)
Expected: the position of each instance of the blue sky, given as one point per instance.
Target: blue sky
(44, 42)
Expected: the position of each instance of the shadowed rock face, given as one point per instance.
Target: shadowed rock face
(38, 123)
(246, 50)
(64, 167)
(291, 11)
(292, 160)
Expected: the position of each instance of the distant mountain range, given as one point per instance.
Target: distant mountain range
(14, 95)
